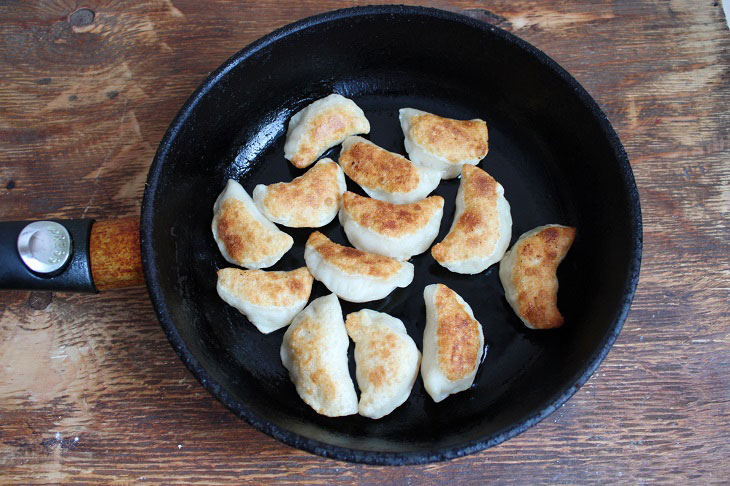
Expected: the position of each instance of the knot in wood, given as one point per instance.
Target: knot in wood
(81, 17)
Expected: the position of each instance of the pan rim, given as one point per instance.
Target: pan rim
(358, 455)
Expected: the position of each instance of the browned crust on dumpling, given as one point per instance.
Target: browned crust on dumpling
(352, 260)
(455, 140)
(477, 230)
(245, 239)
(383, 346)
(376, 168)
(268, 289)
(305, 343)
(388, 219)
(306, 197)
(324, 130)
(533, 275)
(457, 334)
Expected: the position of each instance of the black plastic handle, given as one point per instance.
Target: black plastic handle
(75, 276)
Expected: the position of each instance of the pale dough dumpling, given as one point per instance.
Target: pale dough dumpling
(386, 360)
(482, 225)
(385, 175)
(354, 275)
(314, 350)
(311, 200)
(395, 230)
(443, 144)
(244, 236)
(270, 300)
(320, 126)
(453, 343)
(528, 274)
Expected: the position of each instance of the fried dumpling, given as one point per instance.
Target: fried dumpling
(528, 275)
(311, 200)
(386, 360)
(320, 126)
(443, 144)
(482, 225)
(270, 300)
(395, 230)
(453, 343)
(354, 275)
(385, 175)
(314, 350)
(244, 236)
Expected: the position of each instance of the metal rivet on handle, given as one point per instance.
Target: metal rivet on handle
(44, 246)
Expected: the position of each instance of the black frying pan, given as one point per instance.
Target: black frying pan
(551, 147)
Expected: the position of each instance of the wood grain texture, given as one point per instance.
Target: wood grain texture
(114, 254)
(90, 390)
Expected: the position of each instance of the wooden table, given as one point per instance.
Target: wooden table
(91, 391)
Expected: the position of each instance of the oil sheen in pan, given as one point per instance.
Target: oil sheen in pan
(257, 157)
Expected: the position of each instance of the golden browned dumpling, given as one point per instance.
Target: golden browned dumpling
(395, 230)
(453, 343)
(354, 275)
(528, 275)
(482, 225)
(443, 144)
(244, 236)
(320, 126)
(311, 200)
(386, 359)
(314, 350)
(385, 175)
(269, 300)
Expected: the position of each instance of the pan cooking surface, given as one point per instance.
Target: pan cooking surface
(549, 147)
(531, 186)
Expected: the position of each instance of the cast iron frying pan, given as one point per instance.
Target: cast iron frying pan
(551, 148)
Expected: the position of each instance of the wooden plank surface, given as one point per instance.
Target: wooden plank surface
(91, 391)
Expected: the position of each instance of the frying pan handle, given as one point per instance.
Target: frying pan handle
(74, 255)
(116, 260)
